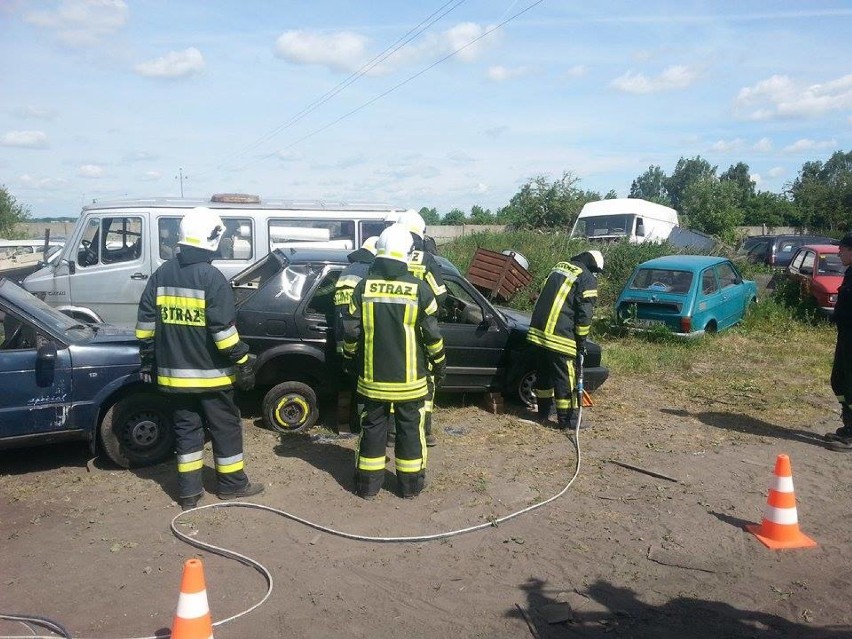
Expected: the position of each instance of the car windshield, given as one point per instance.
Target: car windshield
(662, 280)
(830, 265)
(14, 296)
(605, 225)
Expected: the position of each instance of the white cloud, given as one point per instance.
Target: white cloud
(577, 71)
(46, 184)
(175, 64)
(151, 176)
(33, 113)
(341, 51)
(674, 77)
(810, 145)
(346, 51)
(460, 157)
(727, 146)
(82, 23)
(496, 131)
(138, 156)
(780, 97)
(289, 156)
(763, 145)
(480, 189)
(90, 171)
(755, 177)
(500, 73)
(776, 171)
(25, 139)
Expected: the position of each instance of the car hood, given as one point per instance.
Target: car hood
(112, 334)
(520, 319)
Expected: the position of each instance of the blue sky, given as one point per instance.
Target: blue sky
(319, 100)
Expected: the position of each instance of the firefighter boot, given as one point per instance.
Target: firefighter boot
(844, 431)
(410, 484)
(545, 407)
(571, 419)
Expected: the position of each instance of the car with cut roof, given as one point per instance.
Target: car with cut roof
(285, 305)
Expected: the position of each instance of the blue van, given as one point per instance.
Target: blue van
(688, 294)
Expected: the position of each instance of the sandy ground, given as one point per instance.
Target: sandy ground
(621, 553)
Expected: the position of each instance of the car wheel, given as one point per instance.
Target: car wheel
(290, 407)
(136, 432)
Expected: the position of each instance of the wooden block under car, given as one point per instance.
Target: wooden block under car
(493, 403)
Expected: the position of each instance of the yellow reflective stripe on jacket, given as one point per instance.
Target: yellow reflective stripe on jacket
(343, 296)
(558, 303)
(592, 292)
(410, 343)
(188, 382)
(582, 331)
(393, 391)
(551, 341)
(231, 464)
(368, 320)
(432, 308)
(145, 330)
(227, 338)
(433, 284)
(435, 347)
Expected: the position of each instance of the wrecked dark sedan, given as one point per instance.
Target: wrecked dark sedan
(285, 306)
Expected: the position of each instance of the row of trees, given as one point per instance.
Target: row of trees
(819, 199)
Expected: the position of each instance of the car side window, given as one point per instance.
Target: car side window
(808, 263)
(459, 307)
(122, 239)
(88, 252)
(168, 229)
(727, 275)
(708, 282)
(285, 233)
(322, 301)
(369, 229)
(237, 241)
(787, 246)
(796, 263)
(16, 334)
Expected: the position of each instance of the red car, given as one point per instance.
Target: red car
(819, 272)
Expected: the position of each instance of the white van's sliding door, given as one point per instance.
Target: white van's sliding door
(112, 267)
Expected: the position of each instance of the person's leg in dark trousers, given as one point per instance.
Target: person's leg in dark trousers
(841, 385)
(428, 405)
(562, 370)
(370, 457)
(543, 383)
(410, 449)
(189, 443)
(226, 430)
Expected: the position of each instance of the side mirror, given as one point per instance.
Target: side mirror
(487, 319)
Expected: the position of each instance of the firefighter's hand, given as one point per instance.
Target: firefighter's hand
(146, 372)
(245, 374)
(439, 371)
(349, 367)
(581, 347)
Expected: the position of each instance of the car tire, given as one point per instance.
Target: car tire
(136, 431)
(290, 407)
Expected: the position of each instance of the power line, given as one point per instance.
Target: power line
(412, 33)
(410, 78)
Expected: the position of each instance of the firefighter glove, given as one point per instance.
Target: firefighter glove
(245, 374)
(349, 367)
(440, 372)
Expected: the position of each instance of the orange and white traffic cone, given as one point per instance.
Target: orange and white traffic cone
(780, 525)
(192, 619)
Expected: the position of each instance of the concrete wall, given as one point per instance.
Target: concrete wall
(443, 234)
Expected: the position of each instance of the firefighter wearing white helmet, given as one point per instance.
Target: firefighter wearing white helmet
(360, 261)
(424, 266)
(391, 339)
(191, 349)
(559, 327)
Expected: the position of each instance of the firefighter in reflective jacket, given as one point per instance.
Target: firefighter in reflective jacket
(391, 336)
(424, 266)
(559, 326)
(360, 261)
(191, 349)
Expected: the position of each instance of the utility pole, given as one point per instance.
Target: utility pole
(181, 177)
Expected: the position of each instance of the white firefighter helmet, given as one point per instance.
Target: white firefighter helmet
(370, 244)
(395, 243)
(413, 221)
(596, 263)
(202, 228)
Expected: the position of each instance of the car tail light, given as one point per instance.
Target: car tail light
(685, 324)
